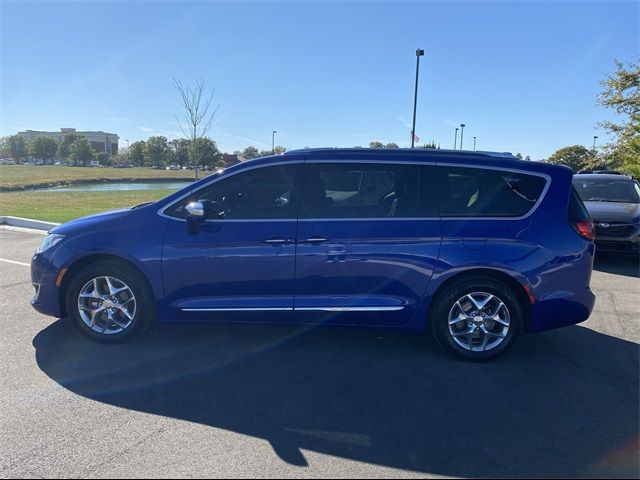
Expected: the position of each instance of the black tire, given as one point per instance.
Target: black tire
(144, 303)
(445, 302)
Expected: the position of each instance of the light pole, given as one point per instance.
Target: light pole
(273, 141)
(595, 137)
(462, 125)
(455, 139)
(474, 144)
(419, 53)
(127, 149)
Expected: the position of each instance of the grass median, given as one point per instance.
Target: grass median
(64, 206)
(24, 177)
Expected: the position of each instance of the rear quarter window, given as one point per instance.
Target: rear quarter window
(577, 211)
(480, 192)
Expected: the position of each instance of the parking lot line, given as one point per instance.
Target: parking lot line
(14, 262)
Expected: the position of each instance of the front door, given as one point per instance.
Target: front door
(239, 264)
(367, 243)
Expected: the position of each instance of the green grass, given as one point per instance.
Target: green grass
(63, 206)
(17, 177)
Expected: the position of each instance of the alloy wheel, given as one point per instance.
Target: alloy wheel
(479, 321)
(107, 305)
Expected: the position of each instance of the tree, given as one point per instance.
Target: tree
(179, 151)
(64, 146)
(391, 145)
(429, 145)
(279, 150)
(138, 153)
(250, 152)
(158, 152)
(210, 156)
(577, 157)
(622, 95)
(631, 155)
(376, 144)
(43, 148)
(197, 119)
(81, 152)
(17, 147)
(519, 156)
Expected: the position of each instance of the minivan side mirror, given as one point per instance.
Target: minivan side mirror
(195, 213)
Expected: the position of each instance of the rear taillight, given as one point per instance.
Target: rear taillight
(586, 229)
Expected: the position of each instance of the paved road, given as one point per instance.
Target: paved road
(280, 402)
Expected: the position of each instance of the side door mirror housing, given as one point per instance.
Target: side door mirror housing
(195, 214)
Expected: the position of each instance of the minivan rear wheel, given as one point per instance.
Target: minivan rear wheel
(477, 318)
(109, 302)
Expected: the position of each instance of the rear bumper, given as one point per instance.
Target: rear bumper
(561, 309)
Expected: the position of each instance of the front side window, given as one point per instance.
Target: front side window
(260, 193)
(478, 192)
(360, 190)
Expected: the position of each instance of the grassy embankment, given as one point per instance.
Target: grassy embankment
(17, 200)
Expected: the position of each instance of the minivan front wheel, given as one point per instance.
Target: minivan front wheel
(109, 301)
(477, 319)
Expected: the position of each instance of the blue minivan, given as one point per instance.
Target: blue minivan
(472, 247)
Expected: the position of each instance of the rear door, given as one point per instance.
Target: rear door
(366, 245)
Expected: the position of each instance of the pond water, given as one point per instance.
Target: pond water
(120, 186)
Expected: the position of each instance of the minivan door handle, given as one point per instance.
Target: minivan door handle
(277, 241)
(315, 239)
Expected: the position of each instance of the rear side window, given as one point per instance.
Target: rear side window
(478, 192)
(577, 211)
(360, 190)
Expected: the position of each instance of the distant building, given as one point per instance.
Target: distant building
(231, 159)
(101, 142)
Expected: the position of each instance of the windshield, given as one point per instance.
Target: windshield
(606, 190)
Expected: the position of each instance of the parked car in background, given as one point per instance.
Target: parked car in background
(610, 172)
(474, 248)
(613, 202)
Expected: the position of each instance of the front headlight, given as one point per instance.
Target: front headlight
(48, 242)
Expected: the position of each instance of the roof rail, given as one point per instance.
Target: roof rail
(403, 151)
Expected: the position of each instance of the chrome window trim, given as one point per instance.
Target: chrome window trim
(402, 162)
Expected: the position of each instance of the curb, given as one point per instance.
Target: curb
(27, 223)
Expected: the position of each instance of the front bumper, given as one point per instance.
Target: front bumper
(618, 238)
(617, 245)
(45, 268)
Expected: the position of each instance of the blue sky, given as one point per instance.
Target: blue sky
(523, 76)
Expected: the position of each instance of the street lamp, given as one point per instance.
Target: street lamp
(462, 125)
(474, 144)
(273, 141)
(419, 53)
(595, 137)
(455, 139)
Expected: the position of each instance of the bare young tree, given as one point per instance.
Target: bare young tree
(197, 115)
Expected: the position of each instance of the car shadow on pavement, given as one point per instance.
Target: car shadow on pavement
(626, 265)
(560, 404)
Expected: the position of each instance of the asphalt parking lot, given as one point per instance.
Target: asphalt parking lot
(210, 401)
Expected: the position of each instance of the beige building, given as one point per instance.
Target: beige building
(101, 142)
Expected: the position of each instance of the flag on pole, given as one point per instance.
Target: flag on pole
(415, 137)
